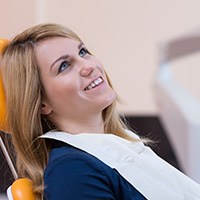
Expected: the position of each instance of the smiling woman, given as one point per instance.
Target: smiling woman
(68, 137)
(70, 72)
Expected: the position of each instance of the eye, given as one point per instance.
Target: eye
(83, 51)
(63, 66)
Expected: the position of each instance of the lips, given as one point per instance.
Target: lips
(94, 84)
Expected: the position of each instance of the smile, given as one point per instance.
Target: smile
(93, 84)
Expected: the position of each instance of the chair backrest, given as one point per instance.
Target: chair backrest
(21, 189)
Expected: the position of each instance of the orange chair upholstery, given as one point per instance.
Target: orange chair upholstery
(21, 189)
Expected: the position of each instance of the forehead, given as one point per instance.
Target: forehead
(57, 44)
(47, 51)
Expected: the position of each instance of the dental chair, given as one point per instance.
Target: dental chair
(179, 108)
(21, 189)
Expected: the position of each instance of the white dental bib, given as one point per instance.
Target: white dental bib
(138, 164)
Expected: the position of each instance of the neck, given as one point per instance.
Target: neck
(83, 125)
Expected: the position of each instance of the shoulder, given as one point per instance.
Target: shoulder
(71, 169)
(75, 174)
(65, 154)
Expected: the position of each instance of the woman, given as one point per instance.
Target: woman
(53, 83)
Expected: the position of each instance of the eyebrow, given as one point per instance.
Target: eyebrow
(80, 45)
(64, 57)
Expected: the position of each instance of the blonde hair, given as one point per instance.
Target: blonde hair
(24, 90)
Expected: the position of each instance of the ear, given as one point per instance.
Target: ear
(46, 109)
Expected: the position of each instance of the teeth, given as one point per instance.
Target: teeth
(94, 83)
(89, 87)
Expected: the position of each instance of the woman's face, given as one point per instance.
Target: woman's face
(74, 81)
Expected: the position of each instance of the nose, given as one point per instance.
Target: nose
(86, 69)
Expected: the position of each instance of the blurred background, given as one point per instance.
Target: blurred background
(128, 36)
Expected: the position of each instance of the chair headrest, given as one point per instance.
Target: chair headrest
(3, 43)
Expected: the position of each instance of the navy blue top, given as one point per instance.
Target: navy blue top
(73, 174)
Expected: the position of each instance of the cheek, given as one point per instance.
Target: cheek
(61, 90)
